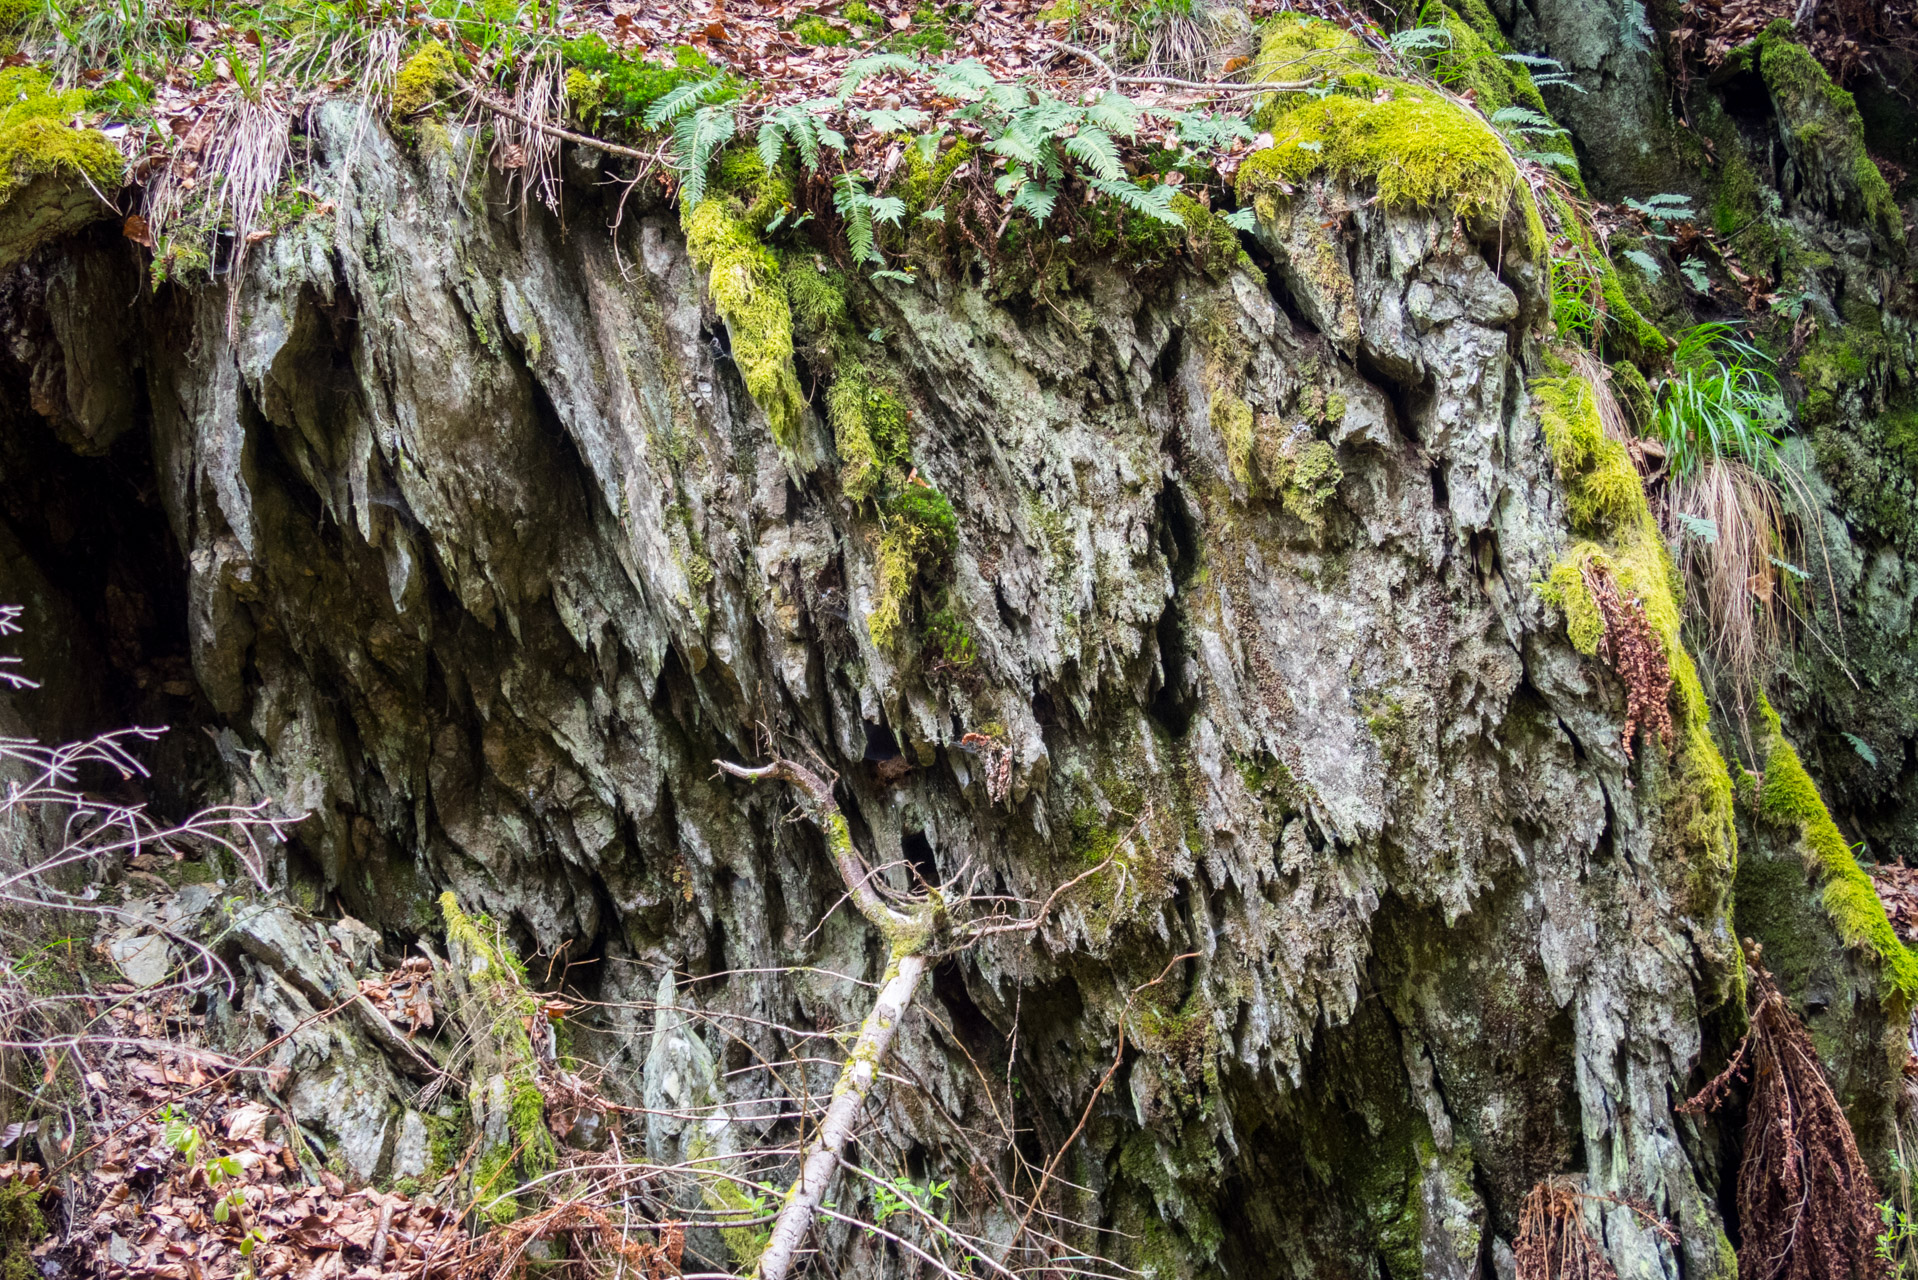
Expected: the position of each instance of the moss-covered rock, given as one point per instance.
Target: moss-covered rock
(55, 177)
(424, 79)
(749, 293)
(1825, 137)
(1415, 147)
(1605, 502)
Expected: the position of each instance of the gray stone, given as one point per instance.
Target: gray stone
(145, 958)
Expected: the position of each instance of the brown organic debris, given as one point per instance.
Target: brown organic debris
(1807, 1206)
(1636, 654)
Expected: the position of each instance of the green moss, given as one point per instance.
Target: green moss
(870, 431)
(862, 13)
(36, 140)
(1602, 489)
(1416, 148)
(750, 295)
(1315, 478)
(815, 30)
(585, 94)
(509, 1010)
(949, 637)
(1606, 502)
(1231, 417)
(1474, 62)
(426, 77)
(22, 1226)
(624, 87)
(920, 534)
(1790, 799)
(1824, 131)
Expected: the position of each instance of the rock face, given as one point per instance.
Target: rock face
(481, 554)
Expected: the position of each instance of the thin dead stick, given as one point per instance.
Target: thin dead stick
(1118, 1057)
(487, 100)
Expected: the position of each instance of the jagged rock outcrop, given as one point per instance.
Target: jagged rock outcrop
(488, 553)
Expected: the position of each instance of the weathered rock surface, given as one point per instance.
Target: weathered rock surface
(488, 554)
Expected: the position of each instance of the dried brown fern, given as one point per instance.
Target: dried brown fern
(1636, 654)
(1807, 1206)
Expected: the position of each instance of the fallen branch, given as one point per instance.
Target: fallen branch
(907, 934)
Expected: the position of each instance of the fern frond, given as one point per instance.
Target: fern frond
(1116, 114)
(1525, 120)
(1097, 152)
(677, 102)
(1014, 145)
(697, 138)
(861, 70)
(1154, 202)
(1036, 199)
(1241, 219)
(968, 80)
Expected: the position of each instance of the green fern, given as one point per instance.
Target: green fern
(802, 128)
(862, 210)
(677, 102)
(861, 70)
(697, 138)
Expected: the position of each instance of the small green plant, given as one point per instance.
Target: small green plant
(1721, 400)
(223, 1175)
(892, 1198)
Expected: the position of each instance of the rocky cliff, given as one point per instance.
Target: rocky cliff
(461, 525)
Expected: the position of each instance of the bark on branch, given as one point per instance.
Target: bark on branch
(907, 935)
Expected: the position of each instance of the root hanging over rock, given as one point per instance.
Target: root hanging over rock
(1552, 1241)
(1807, 1206)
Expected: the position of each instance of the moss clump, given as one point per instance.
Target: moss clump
(1232, 418)
(22, 1226)
(36, 140)
(1789, 798)
(1315, 478)
(499, 1012)
(429, 75)
(1475, 61)
(1825, 134)
(869, 431)
(621, 88)
(920, 534)
(1602, 489)
(1418, 149)
(1606, 502)
(750, 294)
(815, 30)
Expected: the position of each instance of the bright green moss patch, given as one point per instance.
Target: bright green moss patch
(750, 295)
(920, 534)
(36, 138)
(869, 431)
(429, 75)
(1789, 798)
(500, 1013)
(1602, 489)
(1606, 503)
(1418, 149)
(1294, 47)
